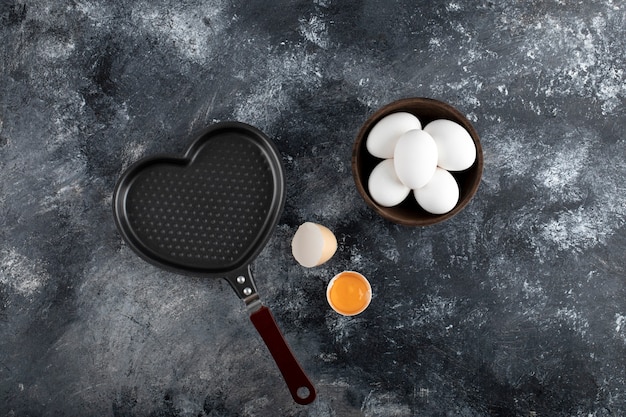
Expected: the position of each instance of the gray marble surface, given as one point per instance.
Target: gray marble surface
(514, 307)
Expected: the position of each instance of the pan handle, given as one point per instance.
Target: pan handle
(300, 387)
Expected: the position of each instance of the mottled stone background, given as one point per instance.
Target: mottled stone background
(515, 307)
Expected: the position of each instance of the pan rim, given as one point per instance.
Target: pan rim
(274, 160)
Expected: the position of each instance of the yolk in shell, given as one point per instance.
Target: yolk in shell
(350, 293)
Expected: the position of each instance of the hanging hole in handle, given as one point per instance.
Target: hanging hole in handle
(303, 392)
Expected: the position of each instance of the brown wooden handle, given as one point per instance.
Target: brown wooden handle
(301, 388)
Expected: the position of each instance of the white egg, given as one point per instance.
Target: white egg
(440, 195)
(382, 138)
(456, 148)
(415, 158)
(385, 187)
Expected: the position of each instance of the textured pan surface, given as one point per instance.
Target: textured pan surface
(210, 212)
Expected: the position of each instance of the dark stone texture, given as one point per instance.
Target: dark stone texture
(514, 307)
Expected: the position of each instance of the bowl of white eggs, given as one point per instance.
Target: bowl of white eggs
(417, 161)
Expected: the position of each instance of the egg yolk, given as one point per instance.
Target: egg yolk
(349, 293)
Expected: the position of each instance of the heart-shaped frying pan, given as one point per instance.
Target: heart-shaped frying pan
(210, 213)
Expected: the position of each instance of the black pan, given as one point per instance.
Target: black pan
(210, 213)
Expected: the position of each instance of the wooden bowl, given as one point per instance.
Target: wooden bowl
(409, 213)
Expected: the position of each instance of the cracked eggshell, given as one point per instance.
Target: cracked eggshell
(313, 244)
